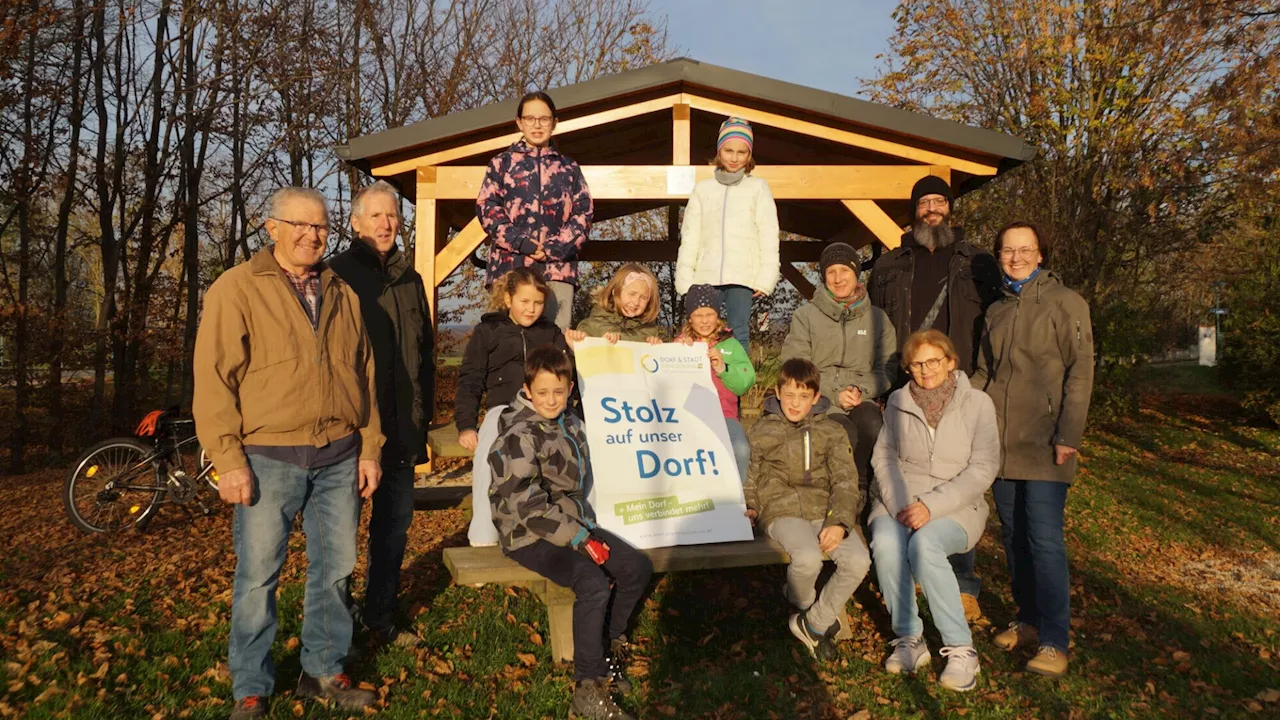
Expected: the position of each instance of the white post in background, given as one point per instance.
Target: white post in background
(1208, 345)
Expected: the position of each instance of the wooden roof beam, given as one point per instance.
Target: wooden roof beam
(843, 137)
(503, 141)
(670, 182)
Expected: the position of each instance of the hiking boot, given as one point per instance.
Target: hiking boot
(1049, 661)
(394, 636)
(910, 654)
(249, 708)
(616, 660)
(1018, 634)
(591, 701)
(337, 690)
(961, 672)
(821, 646)
(972, 611)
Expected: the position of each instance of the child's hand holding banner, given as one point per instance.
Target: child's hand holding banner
(663, 467)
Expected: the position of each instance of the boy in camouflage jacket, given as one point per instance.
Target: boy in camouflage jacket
(541, 465)
(802, 488)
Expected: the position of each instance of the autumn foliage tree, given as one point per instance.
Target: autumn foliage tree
(1135, 107)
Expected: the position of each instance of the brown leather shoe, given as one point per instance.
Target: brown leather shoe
(1018, 634)
(1049, 661)
(972, 611)
(337, 690)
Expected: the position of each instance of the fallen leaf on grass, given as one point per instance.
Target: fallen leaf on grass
(527, 659)
(1269, 696)
(1181, 655)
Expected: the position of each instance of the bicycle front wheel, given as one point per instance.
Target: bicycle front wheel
(113, 486)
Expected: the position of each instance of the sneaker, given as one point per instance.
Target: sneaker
(249, 708)
(616, 660)
(821, 646)
(972, 611)
(591, 701)
(1018, 634)
(1049, 661)
(337, 690)
(961, 672)
(910, 654)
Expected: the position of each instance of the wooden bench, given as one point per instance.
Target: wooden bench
(443, 442)
(480, 566)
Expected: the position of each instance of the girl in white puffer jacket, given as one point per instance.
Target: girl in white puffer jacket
(729, 237)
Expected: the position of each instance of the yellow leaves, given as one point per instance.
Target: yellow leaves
(527, 659)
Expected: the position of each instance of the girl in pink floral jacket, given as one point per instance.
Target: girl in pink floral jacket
(535, 207)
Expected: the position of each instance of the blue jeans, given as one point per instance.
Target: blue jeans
(737, 312)
(741, 448)
(330, 509)
(388, 535)
(1031, 517)
(903, 557)
(963, 565)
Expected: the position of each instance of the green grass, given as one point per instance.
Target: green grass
(1172, 530)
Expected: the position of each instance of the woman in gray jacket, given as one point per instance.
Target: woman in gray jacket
(935, 458)
(1036, 362)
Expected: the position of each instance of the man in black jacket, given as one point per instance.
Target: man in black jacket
(393, 302)
(935, 279)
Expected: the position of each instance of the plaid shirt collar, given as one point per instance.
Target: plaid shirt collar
(307, 286)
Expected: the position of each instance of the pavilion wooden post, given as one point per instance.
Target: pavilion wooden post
(426, 228)
(797, 280)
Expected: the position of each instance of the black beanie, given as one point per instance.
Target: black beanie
(930, 185)
(839, 254)
(700, 296)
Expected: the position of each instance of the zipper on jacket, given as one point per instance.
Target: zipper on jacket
(1004, 441)
(537, 161)
(577, 453)
(1078, 338)
(724, 240)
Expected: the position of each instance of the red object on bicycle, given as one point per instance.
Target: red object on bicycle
(147, 427)
(597, 551)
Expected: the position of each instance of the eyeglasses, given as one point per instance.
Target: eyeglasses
(304, 226)
(1025, 252)
(537, 120)
(931, 364)
(939, 202)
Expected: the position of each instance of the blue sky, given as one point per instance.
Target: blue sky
(826, 44)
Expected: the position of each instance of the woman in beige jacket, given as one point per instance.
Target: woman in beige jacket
(935, 458)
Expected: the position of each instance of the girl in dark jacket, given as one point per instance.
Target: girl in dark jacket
(536, 208)
(493, 367)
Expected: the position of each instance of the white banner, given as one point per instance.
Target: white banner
(663, 466)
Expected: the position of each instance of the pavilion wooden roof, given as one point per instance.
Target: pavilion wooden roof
(841, 168)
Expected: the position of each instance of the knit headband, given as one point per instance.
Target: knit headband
(735, 127)
(634, 276)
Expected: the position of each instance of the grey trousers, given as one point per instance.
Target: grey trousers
(559, 307)
(799, 537)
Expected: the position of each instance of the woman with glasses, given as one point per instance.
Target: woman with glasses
(536, 208)
(1036, 362)
(935, 458)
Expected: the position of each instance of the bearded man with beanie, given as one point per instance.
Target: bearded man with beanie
(937, 280)
(853, 344)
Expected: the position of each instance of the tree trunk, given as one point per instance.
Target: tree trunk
(59, 327)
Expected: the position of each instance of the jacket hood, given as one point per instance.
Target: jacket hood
(522, 147)
(835, 309)
(522, 411)
(773, 406)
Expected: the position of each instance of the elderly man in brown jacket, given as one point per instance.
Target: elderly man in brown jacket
(285, 405)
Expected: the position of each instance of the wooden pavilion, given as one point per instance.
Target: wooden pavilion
(841, 169)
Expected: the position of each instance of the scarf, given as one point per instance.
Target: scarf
(933, 401)
(1017, 285)
(859, 297)
(730, 178)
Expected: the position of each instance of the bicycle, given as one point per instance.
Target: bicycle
(121, 482)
